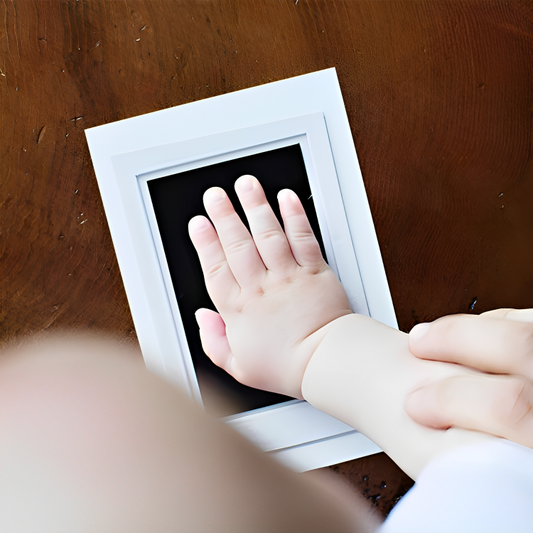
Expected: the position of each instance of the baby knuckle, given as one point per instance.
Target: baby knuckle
(271, 235)
(215, 269)
(306, 236)
(237, 246)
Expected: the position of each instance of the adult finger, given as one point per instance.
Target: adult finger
(219, 279)
(302, 240)
(499, 405)
(482, 342)
(268, 235)
(237, 243)
(520, 315)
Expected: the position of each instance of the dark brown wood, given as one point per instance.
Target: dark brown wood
(378, 479)
(439, 96)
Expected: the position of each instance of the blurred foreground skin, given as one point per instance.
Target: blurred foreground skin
(90, 441)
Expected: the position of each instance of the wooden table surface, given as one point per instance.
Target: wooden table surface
(439, 96)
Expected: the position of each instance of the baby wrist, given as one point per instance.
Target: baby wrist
(316, 341)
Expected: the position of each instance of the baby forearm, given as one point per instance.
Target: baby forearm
(361, 374)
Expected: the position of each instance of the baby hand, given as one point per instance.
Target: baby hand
(497, 400)
(274, 293)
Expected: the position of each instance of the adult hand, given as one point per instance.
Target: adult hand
(498, 399)
(274, 292)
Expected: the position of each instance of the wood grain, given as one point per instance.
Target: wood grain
(440, 100)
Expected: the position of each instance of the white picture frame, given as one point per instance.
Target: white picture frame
(306, 111)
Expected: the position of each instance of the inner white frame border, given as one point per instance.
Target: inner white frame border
(309, 133)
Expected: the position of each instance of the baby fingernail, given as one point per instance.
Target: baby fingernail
(286, 195)
(246, 183)
(419, 331)
(199, 223)
(215, 194)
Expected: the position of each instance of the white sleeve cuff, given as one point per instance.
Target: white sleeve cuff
(485, 487)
